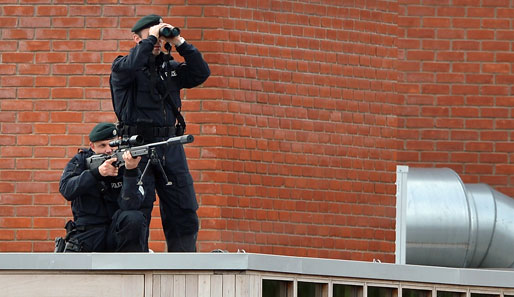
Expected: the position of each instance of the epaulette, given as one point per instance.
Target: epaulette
(82, 150)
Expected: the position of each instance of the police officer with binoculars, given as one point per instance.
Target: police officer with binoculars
(145, 89)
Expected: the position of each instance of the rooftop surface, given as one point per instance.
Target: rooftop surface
(255, 262)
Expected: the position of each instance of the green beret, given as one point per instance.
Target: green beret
(103, 131)
(147, 22)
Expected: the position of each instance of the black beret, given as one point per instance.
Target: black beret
(103, 131)
(147, 22)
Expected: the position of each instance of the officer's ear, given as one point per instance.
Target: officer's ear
(137, 37)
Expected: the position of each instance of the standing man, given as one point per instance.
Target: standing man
(105, 201)
(145, 88)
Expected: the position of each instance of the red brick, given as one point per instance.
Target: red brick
(450, 78)
(67, 93)
(450, 33)
(493, 158)
(48, 199)
(480, 57)
(7, 235)
(479, 78)
(49, 33)
(466, 22)
(50, 57)
(67, 69)
(479, 146)
(481, 12)
(7, 69)
(44, 246)
(60, 211)
(449, 123)
(15, 223)
(31, 46)
(464, 135)
(33, 187)
(449, 146)
(49, 222)
(84, 81)
(7, 164)
(505, 169)
(18, 10)
(505, 124)
(16, 129)
(464, 157)
(48, 152)
(85, 57)
(34, 22)
(15, 246)
(33, 116)
(479, 123)
(31, 164)
(436, 44)
(17, 81)
(68, 45)
(6, 188)
(493, 135)
(479, 169)
(11, 151)
(436, 22)
(18, 34)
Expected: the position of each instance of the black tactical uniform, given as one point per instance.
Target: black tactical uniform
(146, 96)
(106, 210)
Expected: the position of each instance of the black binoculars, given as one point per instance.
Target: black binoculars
(169, 32)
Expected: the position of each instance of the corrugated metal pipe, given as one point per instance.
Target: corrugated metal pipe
(452, 224)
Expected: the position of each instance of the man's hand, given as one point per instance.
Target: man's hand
(107, 169)
(154, 30)
(130, 162)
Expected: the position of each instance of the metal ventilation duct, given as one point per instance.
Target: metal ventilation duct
(452, 224)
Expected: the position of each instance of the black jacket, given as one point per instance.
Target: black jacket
(94, 198)
(137, 83)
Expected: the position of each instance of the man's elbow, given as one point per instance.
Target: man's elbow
(68, 196)
(203, 76)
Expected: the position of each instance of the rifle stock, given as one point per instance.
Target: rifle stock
(136, 151)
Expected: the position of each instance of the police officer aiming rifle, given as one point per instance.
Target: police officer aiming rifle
(105, 201)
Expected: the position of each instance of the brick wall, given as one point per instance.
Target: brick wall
(309, 108)
(456, 75)
(297, 129)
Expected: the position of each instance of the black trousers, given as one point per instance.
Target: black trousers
(126, 233)
(177, 200)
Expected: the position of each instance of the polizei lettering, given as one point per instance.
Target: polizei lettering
(116, 185)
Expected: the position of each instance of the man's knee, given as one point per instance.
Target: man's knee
(131, 219)
(129, 233)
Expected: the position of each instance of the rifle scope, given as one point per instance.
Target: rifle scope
(133, 140)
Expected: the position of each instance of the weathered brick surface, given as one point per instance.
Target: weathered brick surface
(299, 129)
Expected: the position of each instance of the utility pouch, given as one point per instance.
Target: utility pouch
(180, 128)
(60, 243)
(73, 246)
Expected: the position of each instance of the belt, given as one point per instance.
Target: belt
(89, 227)
(148, 131)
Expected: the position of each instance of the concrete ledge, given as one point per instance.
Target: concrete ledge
(134, 262)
